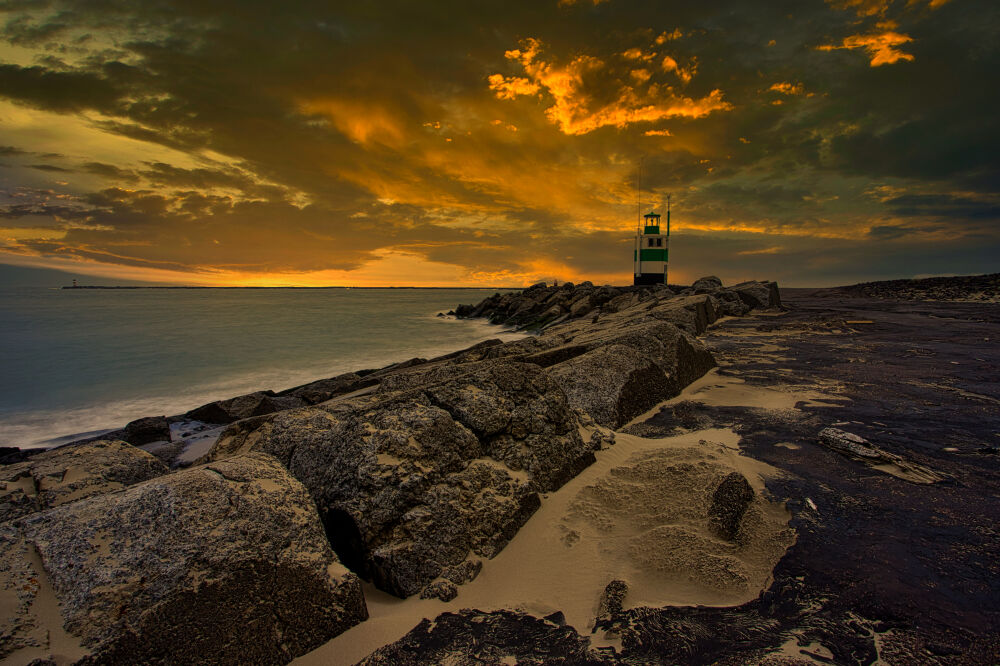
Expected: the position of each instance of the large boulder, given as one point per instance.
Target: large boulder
(245, 406)
(71, 473)
(146, 430)
(612, 383)
(691, 314)
(707, 283)
(324, 389)
(221, 564)
(441, 465)
(616, 371)
(758, 295)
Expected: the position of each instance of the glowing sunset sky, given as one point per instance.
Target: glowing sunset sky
(450, 143)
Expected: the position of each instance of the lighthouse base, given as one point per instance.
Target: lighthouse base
(650, 279)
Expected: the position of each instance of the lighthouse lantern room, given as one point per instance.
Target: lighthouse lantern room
(651, 247)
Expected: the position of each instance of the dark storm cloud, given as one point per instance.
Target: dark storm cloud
(59, 91)
(53, 168)
(110, 171)
(505, 136)
(944, 206)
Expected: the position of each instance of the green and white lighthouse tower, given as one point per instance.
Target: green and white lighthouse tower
(651, 250)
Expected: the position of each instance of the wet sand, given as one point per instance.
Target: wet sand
(637, 514)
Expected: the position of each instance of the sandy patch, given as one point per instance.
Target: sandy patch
(637, 514)
(719, 390)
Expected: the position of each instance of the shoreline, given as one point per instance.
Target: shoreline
(600, 490)
(227, 388)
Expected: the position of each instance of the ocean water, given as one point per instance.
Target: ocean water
(77, 361)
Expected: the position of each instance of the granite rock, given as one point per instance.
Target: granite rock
(72, 473)
(225, 563)
(709, 283)
(443, 460)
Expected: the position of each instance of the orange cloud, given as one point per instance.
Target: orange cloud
(861, 7)
(875, 7)
(764, 250)
(641, 75)
(638, 54)
(661, 132)
(362, 123)
(511, 87)
(670, 65)
(575, 111)
(537, 269)
(665, 37)
(881, 47)
(786, 88)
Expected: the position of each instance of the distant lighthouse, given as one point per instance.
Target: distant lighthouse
(651, 249)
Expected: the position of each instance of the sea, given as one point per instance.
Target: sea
(74, 362)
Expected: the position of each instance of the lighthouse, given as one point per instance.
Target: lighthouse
(651, 247)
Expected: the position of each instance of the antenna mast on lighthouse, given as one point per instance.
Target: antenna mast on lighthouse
(668, 216)
(638, 195)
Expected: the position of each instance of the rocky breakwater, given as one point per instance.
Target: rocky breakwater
(426, 469)
(618, 351)
(541, 306)
(223, 563)
(956, 288)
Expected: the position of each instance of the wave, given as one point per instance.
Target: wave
(51, 427)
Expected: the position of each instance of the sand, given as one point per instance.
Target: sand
(637, 514)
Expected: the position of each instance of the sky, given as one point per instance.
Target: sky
(374, 143)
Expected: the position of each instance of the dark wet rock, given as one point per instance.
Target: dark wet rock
(442, 461)
(758, 295)
(610, 605)
(259, 403)
(474, 353)
(729, 502)
(859, 449)
(477, 637)
(71, 473)
(14, 454)
(556, 618)
(227, 411)
(146, 430)
(225, 563)
(709, 283)
(270, 404)
(324, 389)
